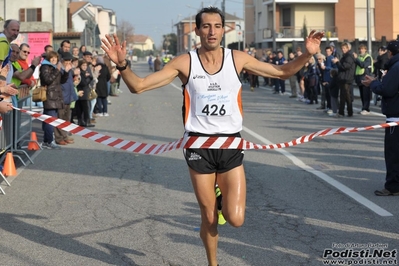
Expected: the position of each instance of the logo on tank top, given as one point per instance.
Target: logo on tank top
(198, 77)
(214, 86)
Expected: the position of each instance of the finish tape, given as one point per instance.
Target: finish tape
(193, 142)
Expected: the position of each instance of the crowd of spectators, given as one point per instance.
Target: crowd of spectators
(77, 81)
(327, 79)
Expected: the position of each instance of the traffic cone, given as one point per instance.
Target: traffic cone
(33, 144)
(9, 166)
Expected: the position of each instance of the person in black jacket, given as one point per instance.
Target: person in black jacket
(102, 87)
(51, 77)
(346, 75)
(388, 88)
(83, 104)
(382, 60)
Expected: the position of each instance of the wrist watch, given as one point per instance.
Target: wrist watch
(122, 67)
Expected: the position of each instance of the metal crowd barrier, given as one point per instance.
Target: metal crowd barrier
(16, 130)
(22, 124)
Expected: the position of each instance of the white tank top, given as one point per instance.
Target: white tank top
(212, 103)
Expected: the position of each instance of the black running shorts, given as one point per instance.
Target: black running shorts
(207, 161)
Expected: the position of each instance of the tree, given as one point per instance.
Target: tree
(169, 43)
(304, 29)
(125, 31)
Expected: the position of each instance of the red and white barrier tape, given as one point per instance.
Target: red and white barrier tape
(193, 142)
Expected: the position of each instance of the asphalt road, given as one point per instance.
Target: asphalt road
(90, 204)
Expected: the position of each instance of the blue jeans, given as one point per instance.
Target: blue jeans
(47, 128)
(102, 104)
(92, 105)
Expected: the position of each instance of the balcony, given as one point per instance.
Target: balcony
(297, 32)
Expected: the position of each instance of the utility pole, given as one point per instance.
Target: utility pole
(224, 12)
(244, 31)
(274, 25)
(369, 43)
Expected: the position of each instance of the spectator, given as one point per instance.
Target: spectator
(48, 48)
(23, 73)
(322, 84)
(380, 63)
(75, 52)
(88, 57)
(150, 63)
(334, 92)
(69, 95)
(114, 80)
(64, 47)
(346, 74)
(10, 33)
(5, 92)
(300, 77)
(157, 64)
(76, 81)
(253, 79)
(279, 84)
(311, 80)
(83, 103)
(388, 88)
(326, 77)
(82, 50)
(364, 66)
(102, 87)
(293, 78)
(50, 76)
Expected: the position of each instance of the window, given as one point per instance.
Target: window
(286, 17)
(30, 14)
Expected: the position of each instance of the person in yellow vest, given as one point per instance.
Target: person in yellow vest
(364, 66)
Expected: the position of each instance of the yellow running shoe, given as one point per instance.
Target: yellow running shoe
(221, 219)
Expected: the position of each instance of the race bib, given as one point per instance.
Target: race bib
(213, 104)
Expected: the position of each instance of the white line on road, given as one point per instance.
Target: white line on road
(346, 190)
(341, 187)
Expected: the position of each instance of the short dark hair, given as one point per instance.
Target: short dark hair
(8, 21)
(47, 46)
(23, 45)
(209, 10)
(393, 47)
(65, 41)
(333, 72)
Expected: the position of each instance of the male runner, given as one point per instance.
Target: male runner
(210, 73)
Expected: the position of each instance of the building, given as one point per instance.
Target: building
(141, 42)
(279, 24)
(188, 40)
(93, 21)
(52, 21)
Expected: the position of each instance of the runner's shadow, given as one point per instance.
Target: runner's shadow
(14, 224)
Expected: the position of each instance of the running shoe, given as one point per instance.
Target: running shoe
(218, 193)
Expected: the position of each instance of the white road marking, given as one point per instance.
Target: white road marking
(341, 187)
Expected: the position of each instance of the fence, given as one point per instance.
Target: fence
(16, 130)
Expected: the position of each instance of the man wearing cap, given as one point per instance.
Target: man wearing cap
(69, 95)
(388, 88)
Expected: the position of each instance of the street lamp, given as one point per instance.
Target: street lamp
(191, 28)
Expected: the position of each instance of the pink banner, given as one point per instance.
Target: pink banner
(37, 41)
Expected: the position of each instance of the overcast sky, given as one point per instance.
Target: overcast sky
(155, 17)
